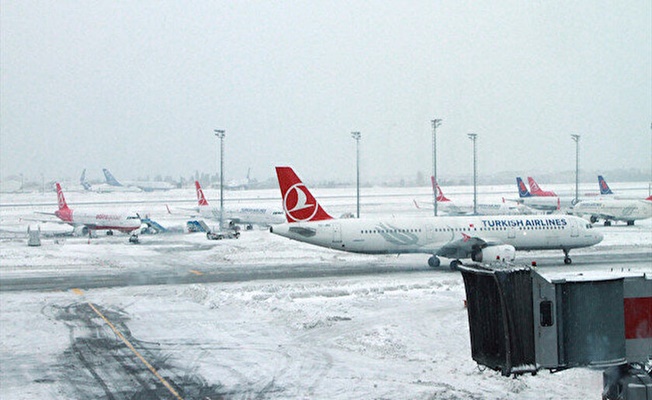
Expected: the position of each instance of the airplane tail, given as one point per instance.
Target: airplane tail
(64, 212)
(604, 188)
(82, 181)
(298, 203)
(201, 199)
(649, 198)
(437, 190)
(110, 179)
(534, 186)
(522, 189)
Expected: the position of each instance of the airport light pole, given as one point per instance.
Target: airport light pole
(220, 134)
(356, 136)
(576, 138)
(435, 124)
(474, 137)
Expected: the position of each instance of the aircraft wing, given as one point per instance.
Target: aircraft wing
(464, 247)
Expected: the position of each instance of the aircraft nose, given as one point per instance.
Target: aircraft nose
(598, 237)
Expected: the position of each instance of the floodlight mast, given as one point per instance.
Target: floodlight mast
(473, 137)
(220, 133)
(435, 123)
(356, 136)
(576, 138)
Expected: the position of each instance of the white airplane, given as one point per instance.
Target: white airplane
(248, 216)
(241, 184)
(104, 187)
(84, 222)
(482, 239)
(448, 207)
(147, 186)
(614, 210)
(546, 203)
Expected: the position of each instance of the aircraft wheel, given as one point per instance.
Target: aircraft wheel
(454, 265)
(630, 223)
(109, 233)
(567, 260)
(607, 223)
(433, 262)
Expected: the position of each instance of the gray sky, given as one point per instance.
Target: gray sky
(138, 87)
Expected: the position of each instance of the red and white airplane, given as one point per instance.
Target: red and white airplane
(480, 238)
(86, 221)
(535, 189)
(450, 207)
(247, 216)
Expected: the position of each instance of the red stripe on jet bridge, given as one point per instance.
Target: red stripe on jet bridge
(638, 317)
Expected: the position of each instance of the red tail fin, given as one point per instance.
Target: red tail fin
(299, 204)
(201, 199)
(64, 213)
(534, 186)
(437, 190)
(649, 198)
(62, 200)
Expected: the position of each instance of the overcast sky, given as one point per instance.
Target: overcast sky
(138, 87)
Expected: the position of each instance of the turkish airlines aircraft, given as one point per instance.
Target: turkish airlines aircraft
(243, 215)
(536, 190)
(614, 210)
(146, 186)
(482, 239)
(449, 207)
(86, 221)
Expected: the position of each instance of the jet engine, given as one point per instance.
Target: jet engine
(503, 252)
(80, 230)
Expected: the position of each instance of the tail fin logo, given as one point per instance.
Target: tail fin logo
(522, 190)
(60, 199)
(298, 203)
(201, 199)
(534, 186)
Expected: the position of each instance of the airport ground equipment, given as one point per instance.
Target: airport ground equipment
(228, 234)
(197, 226)
(34, 238)
(521, 322)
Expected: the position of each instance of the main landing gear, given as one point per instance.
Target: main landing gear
(435, 262)
(567, 259)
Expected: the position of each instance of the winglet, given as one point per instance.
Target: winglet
(604, 188)
(201, 199)
(298, 203)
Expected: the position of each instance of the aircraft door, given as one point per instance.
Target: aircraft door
(511, 233)
(430, 233)
(337, 233)
(574, 229)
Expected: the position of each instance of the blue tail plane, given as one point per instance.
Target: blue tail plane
(522, 189)
(110, 179)
(604, 188)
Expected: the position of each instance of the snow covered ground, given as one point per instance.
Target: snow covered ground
(399, 333)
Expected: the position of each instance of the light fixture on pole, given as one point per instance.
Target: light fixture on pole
(356, 136)
(473, 137)
(435, 124)
(576, 138)
(220, 134)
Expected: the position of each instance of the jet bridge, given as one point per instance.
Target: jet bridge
(521, 321)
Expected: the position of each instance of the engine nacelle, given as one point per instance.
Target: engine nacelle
(80, 230)
(489, 254)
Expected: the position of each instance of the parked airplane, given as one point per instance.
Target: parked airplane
(241, 184)
(536, 190)
(449, 207)
(85, 221)
(147, 186)
(248, 216)
(104, 187)
(541, 203)
(614, 210)
(476, 237)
